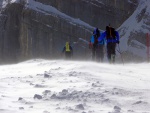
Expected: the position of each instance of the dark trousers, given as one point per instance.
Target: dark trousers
(98, 53)
(111, 47)
(68, 55)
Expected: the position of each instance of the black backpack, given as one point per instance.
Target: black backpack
(110, 32)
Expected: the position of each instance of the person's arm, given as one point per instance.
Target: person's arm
(92, 39)
(103, 35)
(117, 37)
(63, 50)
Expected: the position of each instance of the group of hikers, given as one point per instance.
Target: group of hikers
(110, 37)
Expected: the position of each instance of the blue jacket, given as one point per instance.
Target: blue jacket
(102, 42)
(109, 40)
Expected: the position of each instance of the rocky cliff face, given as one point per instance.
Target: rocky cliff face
(97, 13)
(10, 22)
(27, 32)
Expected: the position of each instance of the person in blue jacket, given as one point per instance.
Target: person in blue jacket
(97, 47)
(112, 37)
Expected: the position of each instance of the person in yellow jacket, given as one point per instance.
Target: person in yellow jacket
(68, 51)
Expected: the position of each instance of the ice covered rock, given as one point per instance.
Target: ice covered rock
(37, 96)
(80, 107)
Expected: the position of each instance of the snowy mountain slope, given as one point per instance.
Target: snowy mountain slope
(133, 31)
(48, 10)
(43, 86)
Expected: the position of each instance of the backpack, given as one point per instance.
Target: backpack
(110, 33)
(96, 35)
(67, 47)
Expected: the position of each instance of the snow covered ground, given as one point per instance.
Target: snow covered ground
(58, 86)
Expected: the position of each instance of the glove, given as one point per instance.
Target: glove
(118, 42)
(90, 46)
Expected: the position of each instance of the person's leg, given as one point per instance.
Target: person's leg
(113, 52)
(101, 53)
(109, 52)
(93, 53)
(67, 55)
(112, 58)
(98, 53)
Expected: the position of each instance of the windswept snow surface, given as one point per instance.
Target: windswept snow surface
(58, 86)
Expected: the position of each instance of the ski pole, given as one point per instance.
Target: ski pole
(120, 54)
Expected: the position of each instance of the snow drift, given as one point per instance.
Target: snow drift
(43, 86)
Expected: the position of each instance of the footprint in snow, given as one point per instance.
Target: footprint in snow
(46, 112)
(39, 86)
(140, 102)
